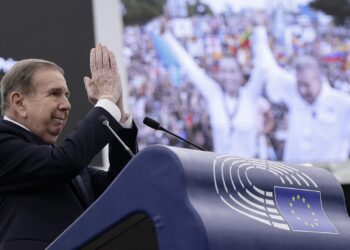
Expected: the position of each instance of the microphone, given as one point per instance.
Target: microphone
(105, 122)
(157, 126)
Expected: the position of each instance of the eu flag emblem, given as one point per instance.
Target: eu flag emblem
(303, 210)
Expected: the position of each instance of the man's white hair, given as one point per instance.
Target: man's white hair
(306, 63)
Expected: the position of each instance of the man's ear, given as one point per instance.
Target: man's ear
(16, 100)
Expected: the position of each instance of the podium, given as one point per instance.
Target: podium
(179, 199)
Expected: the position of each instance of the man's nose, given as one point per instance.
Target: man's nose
(65, 105)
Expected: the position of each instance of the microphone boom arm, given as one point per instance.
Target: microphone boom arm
(106, 123)
(156, 125)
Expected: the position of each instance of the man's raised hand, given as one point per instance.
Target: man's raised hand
(105, 81)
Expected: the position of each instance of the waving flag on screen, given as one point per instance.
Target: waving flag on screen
(167, 58)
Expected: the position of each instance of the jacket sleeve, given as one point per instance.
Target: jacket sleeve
(118, 157)
(26, 166)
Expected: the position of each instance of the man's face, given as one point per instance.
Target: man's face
(47, 107)
(230, 76)
(309, 85)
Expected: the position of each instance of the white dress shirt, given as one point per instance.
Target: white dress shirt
(317, 132)
(236, 133)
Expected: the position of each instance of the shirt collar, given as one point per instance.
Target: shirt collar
(6, 118)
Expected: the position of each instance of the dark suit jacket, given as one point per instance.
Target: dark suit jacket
(38, 198)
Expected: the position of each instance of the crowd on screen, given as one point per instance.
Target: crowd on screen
(180, 106)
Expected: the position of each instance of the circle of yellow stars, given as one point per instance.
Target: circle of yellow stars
(314, 222)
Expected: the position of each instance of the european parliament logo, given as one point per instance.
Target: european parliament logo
(295, 204)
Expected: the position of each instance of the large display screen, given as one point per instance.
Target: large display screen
(266, 79)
